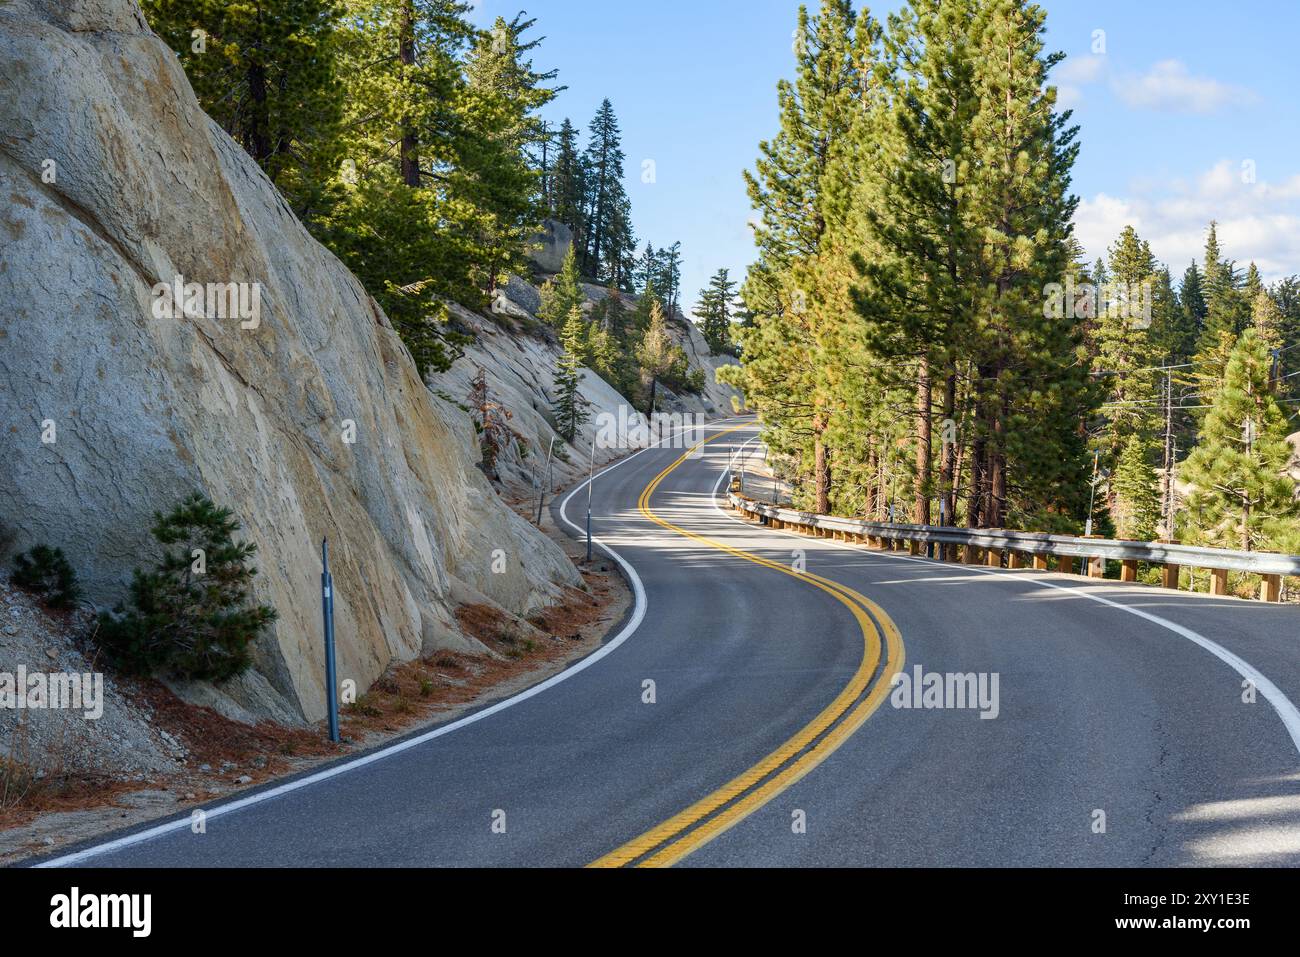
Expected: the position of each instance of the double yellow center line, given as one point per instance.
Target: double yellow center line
(689, 830)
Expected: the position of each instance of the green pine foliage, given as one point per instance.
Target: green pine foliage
(655, 350)
(562, 293)
(570, 407)
(788, 187)
(1242, 495)
(269, 74)
(46, 572)
(1125, 357)
(714, 311)
(191, 614)
(1136, 512)
(608, 243)
(568, 190)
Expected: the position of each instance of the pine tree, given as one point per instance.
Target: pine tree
(619, 369)
(608, 224)
(1227, 311)
(1191, 297)
(714, 311)
(408, 217)
(501, 98)
(492, 420)
(569, 404)
(816, 110)
(647, 268)
(1267, 320)
(568, 190)
(1126, 353)
(655, 352)
(670, 278)
(47, 572)
(562, 293)
(191, 615)
(1286, 293)
(1136, 508)
(1242, 496)
(268, 74)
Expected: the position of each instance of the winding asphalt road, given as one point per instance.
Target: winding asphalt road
(1121, 735)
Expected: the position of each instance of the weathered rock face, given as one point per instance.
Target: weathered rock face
(518, 358)
(552, 245)
(313, 423)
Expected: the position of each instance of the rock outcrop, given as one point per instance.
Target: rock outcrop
(310, 422)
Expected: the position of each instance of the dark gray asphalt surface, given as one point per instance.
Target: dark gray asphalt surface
(1099, 711)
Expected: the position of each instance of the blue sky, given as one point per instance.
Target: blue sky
(1184, 98)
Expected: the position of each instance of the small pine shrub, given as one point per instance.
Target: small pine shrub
(47, 572)
(190, 615)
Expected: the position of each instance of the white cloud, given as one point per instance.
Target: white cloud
(1169, 86)
(1258, 221)
(1073, 75)
(1081, 69)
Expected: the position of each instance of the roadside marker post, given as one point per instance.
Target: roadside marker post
(327, 608)
(546, 478)
(591, 478)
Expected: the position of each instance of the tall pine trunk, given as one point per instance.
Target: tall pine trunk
(996, 515)
(924, 441)
(259, 126)
(948, 457)
(821, 465)
(410, 146)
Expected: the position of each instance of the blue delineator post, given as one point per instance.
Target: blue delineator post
(327, 608)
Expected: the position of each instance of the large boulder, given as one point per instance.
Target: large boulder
(310, 423)
(550, 246)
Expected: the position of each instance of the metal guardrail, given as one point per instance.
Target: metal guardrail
(994, 543)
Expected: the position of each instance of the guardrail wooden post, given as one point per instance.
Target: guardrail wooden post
(993, 558)
(913, 546)
(1271, 590)
(1128, 571)
(1169, 573)
(972, 555)
(1218, 581)
(1097, 567)
(1040, 563)
(1015, 560)
(1065, 565)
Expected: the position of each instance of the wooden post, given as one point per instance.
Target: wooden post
(913, 547)
(1169, 576)
(1040, 563)
(1271, 590)
(1065, 565)
(1097, 567)
(1015, 560)
(993, 558)
(1128, 571)
(972, 555)
(1218, 581)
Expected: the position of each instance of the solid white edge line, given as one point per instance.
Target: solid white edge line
(638, 615)
(1285, 709)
